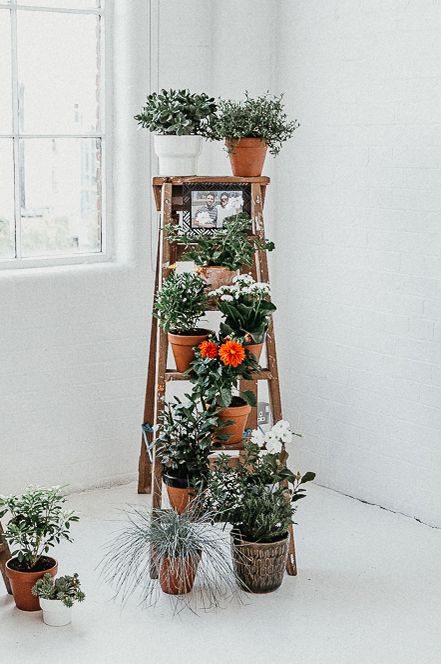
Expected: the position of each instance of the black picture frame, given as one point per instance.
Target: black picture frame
(193, 195)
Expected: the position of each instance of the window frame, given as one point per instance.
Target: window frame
(106, 253)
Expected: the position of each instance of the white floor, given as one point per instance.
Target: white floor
(368, 591)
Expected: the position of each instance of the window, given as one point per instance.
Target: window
(52, 136)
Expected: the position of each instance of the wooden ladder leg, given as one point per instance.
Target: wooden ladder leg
(5, 554)
(167, 260)
(273, 383)
(145, 466)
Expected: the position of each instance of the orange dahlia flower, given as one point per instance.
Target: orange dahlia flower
(208, 349)
(232, 353)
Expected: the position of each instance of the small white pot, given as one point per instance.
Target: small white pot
(55, 613)
(178, 155)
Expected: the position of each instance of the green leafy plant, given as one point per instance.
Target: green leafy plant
(181, 302)
(169, 536)
(260, 117)
(246, 308)
(38, 522)
(217, 370)
(179, 113)
(229, 246)
(67, 589)
(185, 438)
(251, 496)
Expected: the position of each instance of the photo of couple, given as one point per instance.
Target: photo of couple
(209, 209)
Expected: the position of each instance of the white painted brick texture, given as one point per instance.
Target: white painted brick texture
(358, 266)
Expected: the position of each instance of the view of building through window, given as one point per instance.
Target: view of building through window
(51, 128)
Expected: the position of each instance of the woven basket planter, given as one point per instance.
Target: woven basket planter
(259, 567)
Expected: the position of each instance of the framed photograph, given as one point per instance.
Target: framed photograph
(207, 205)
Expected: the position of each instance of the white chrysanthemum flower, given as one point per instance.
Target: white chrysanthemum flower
(227, 298)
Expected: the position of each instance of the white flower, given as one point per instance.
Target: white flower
(257, 437)
(285, 437)
(272, 442)
(227, 298)
(282, 425)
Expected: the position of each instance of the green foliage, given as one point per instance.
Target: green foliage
(175, 537)
(214, 382)
(67, 589)
(181, 302)
(229, 246)
(250, 496)
(185, 437)
(178, 112)
(262, 117)
(246, 308)
(38, 522)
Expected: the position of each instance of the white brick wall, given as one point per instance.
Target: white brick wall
(358, 199)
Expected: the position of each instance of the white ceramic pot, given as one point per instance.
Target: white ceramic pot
(55, 613)
(178, 155)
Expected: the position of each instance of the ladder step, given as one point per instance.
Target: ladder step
(171, 374)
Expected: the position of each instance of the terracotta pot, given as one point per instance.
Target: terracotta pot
(179, 491)
(259, 566)
(239, 416)
(22, 583)
(177, 575)
(247, 156)
(216, 276)
(255, 349)
(182, 346)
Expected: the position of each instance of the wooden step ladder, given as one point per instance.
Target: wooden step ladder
(169, 199)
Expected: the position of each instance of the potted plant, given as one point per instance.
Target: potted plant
(220, 254)
(57, 597)
(179, 305)
(215, 374)
(246, 310)
(179, 119)
(257, 497)
(178, 546)
(250, 127)
(183, 446)
(38, 522)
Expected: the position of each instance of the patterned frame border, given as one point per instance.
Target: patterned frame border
(187, 190)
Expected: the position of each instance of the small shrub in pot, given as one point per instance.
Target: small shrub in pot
(250, 127)
(179, 119)
(37, 523)
(183, 445)
(258, 498)
(179, 305)
(221, 253)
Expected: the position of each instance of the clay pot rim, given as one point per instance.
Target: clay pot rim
(197, 332)
(176, 482)
(246, 140)
(11, 570)
(244, 405)
(238, 540)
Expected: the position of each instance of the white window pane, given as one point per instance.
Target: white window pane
(5, 72)
(59, 73)
(7, 231)
(62, 4)
(61, 196)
